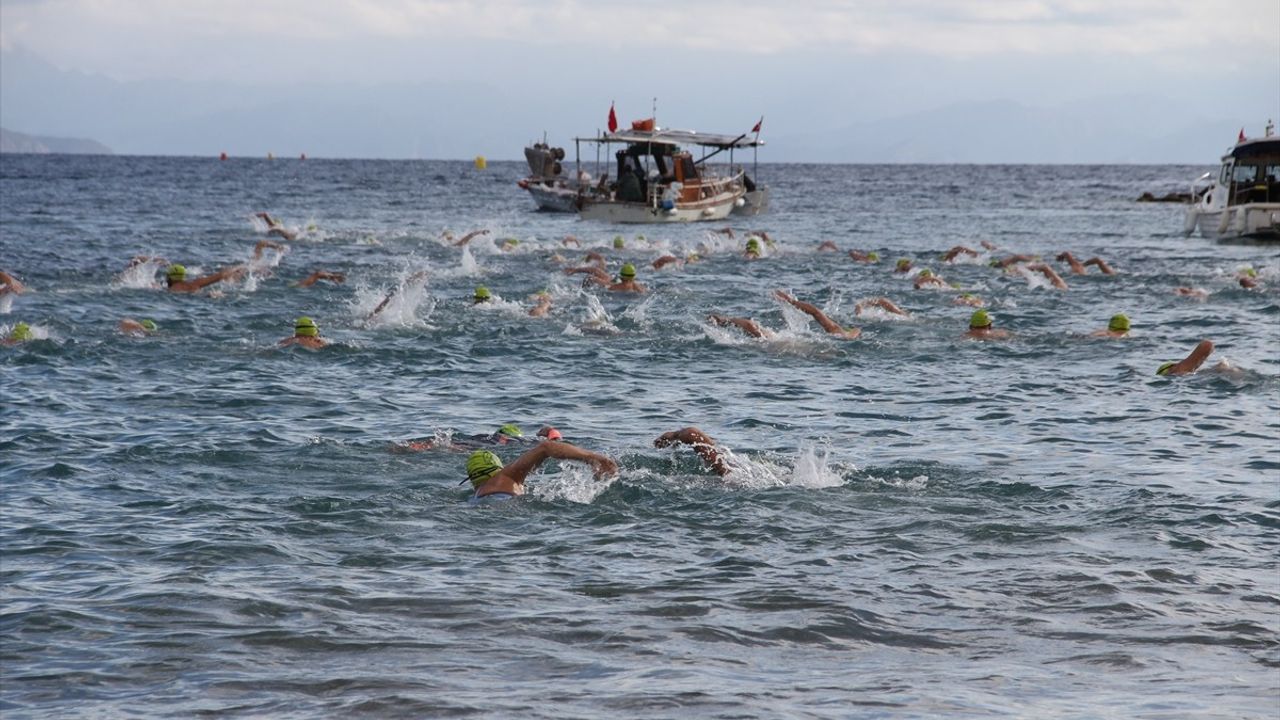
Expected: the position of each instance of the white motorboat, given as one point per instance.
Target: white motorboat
(660, 182)
(1243, 199)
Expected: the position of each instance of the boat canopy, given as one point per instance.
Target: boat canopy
(1263, 147)
(676, 137)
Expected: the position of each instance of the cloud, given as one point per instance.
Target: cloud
(134, 37)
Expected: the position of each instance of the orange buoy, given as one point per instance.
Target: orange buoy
(223, 156)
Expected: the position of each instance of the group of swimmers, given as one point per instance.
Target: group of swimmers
(489, 477)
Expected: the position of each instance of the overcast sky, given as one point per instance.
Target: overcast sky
(806, 65)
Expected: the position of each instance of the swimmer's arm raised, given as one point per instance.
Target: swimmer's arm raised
(520, 468)
(701, 443)
(1192, 362)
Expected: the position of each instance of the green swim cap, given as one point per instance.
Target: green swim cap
(926, 273)
(994, 263)
(509, 241)
(1164, 369)
(1119, 323)
(618, 242)
(510, 430)
(175, 273)
(21, 332)
(482, 293)
(628, 272)
(305, 327)
(149, 325)
(873, 256)
(1250, 272)
(481, 466)
(753, 245)
(980, 319)
(639, 238)
(903, 263)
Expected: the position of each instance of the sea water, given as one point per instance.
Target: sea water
(199, 523)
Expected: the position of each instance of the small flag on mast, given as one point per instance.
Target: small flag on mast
(613, 119)
(756, 129)
(1241, 138)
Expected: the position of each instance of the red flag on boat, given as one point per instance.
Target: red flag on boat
(1241, 138)
(756, 129)
(613, 119)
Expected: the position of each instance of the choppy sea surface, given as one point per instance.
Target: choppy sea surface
(200, 523)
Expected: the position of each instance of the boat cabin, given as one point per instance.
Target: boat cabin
(1251, 173)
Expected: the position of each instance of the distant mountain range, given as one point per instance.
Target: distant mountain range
(16, 142)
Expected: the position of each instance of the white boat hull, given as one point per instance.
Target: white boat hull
(554, 198)
(755, 202)
(711, 209)
(1259, 220)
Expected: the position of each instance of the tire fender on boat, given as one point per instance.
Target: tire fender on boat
(1224, 221)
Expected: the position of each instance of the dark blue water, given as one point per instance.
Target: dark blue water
(199, 523)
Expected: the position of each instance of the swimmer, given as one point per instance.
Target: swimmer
(1248, 278)
(727, 231)
(903, 265)
(957, 251)
(926, 278)
(883, 303)
(571, 240)
(542, 304)
(980, 327)
(135, 328)
(618, 242)
(989, 245)
(305, 333)
(20, 333)
(505, 435)
(753, 249)
(627, 281)
(277, 228)
(1013, 260)
(482, 295)
(176, 278)
(468, 237)
(827, 323)
(595, 274)
(666, 260)
(1118, 327)
(746, 325)
(1194, 293)
(1190, 363)
(392, 293)
(763, 236)
(315, 277)
(859, 256)
(550, 433)
(507, 244)
(701, 443)
(827, 246)
(969, 299)
(1054, 278)
(490, 477)
(1078, 268)
(10, 284)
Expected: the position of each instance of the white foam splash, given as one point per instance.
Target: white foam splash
(401, 309)
(639, 312)
(38, 332)
(141, 276)
(810, 468)
(575, 483)
(6, 303)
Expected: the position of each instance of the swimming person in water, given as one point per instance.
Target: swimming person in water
(1078, 268)
(1050, 274)
(305, 333)
(927, 279)
(10, 284)
(701, 443)
(859, 256)
(827, 323)
(1118, 327)
(315, 277)
(883, 303)
(627, 281)
(277, 228)
(752, 251)
(20, 333)
(491, 479)
(135, 328)
(746, 325)
(509, 434)
(1190, 363)
(980, 327)
(176, 278)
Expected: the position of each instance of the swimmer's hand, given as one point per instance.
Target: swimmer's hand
(604, 467)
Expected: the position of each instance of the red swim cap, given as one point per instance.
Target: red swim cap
(550, 433)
